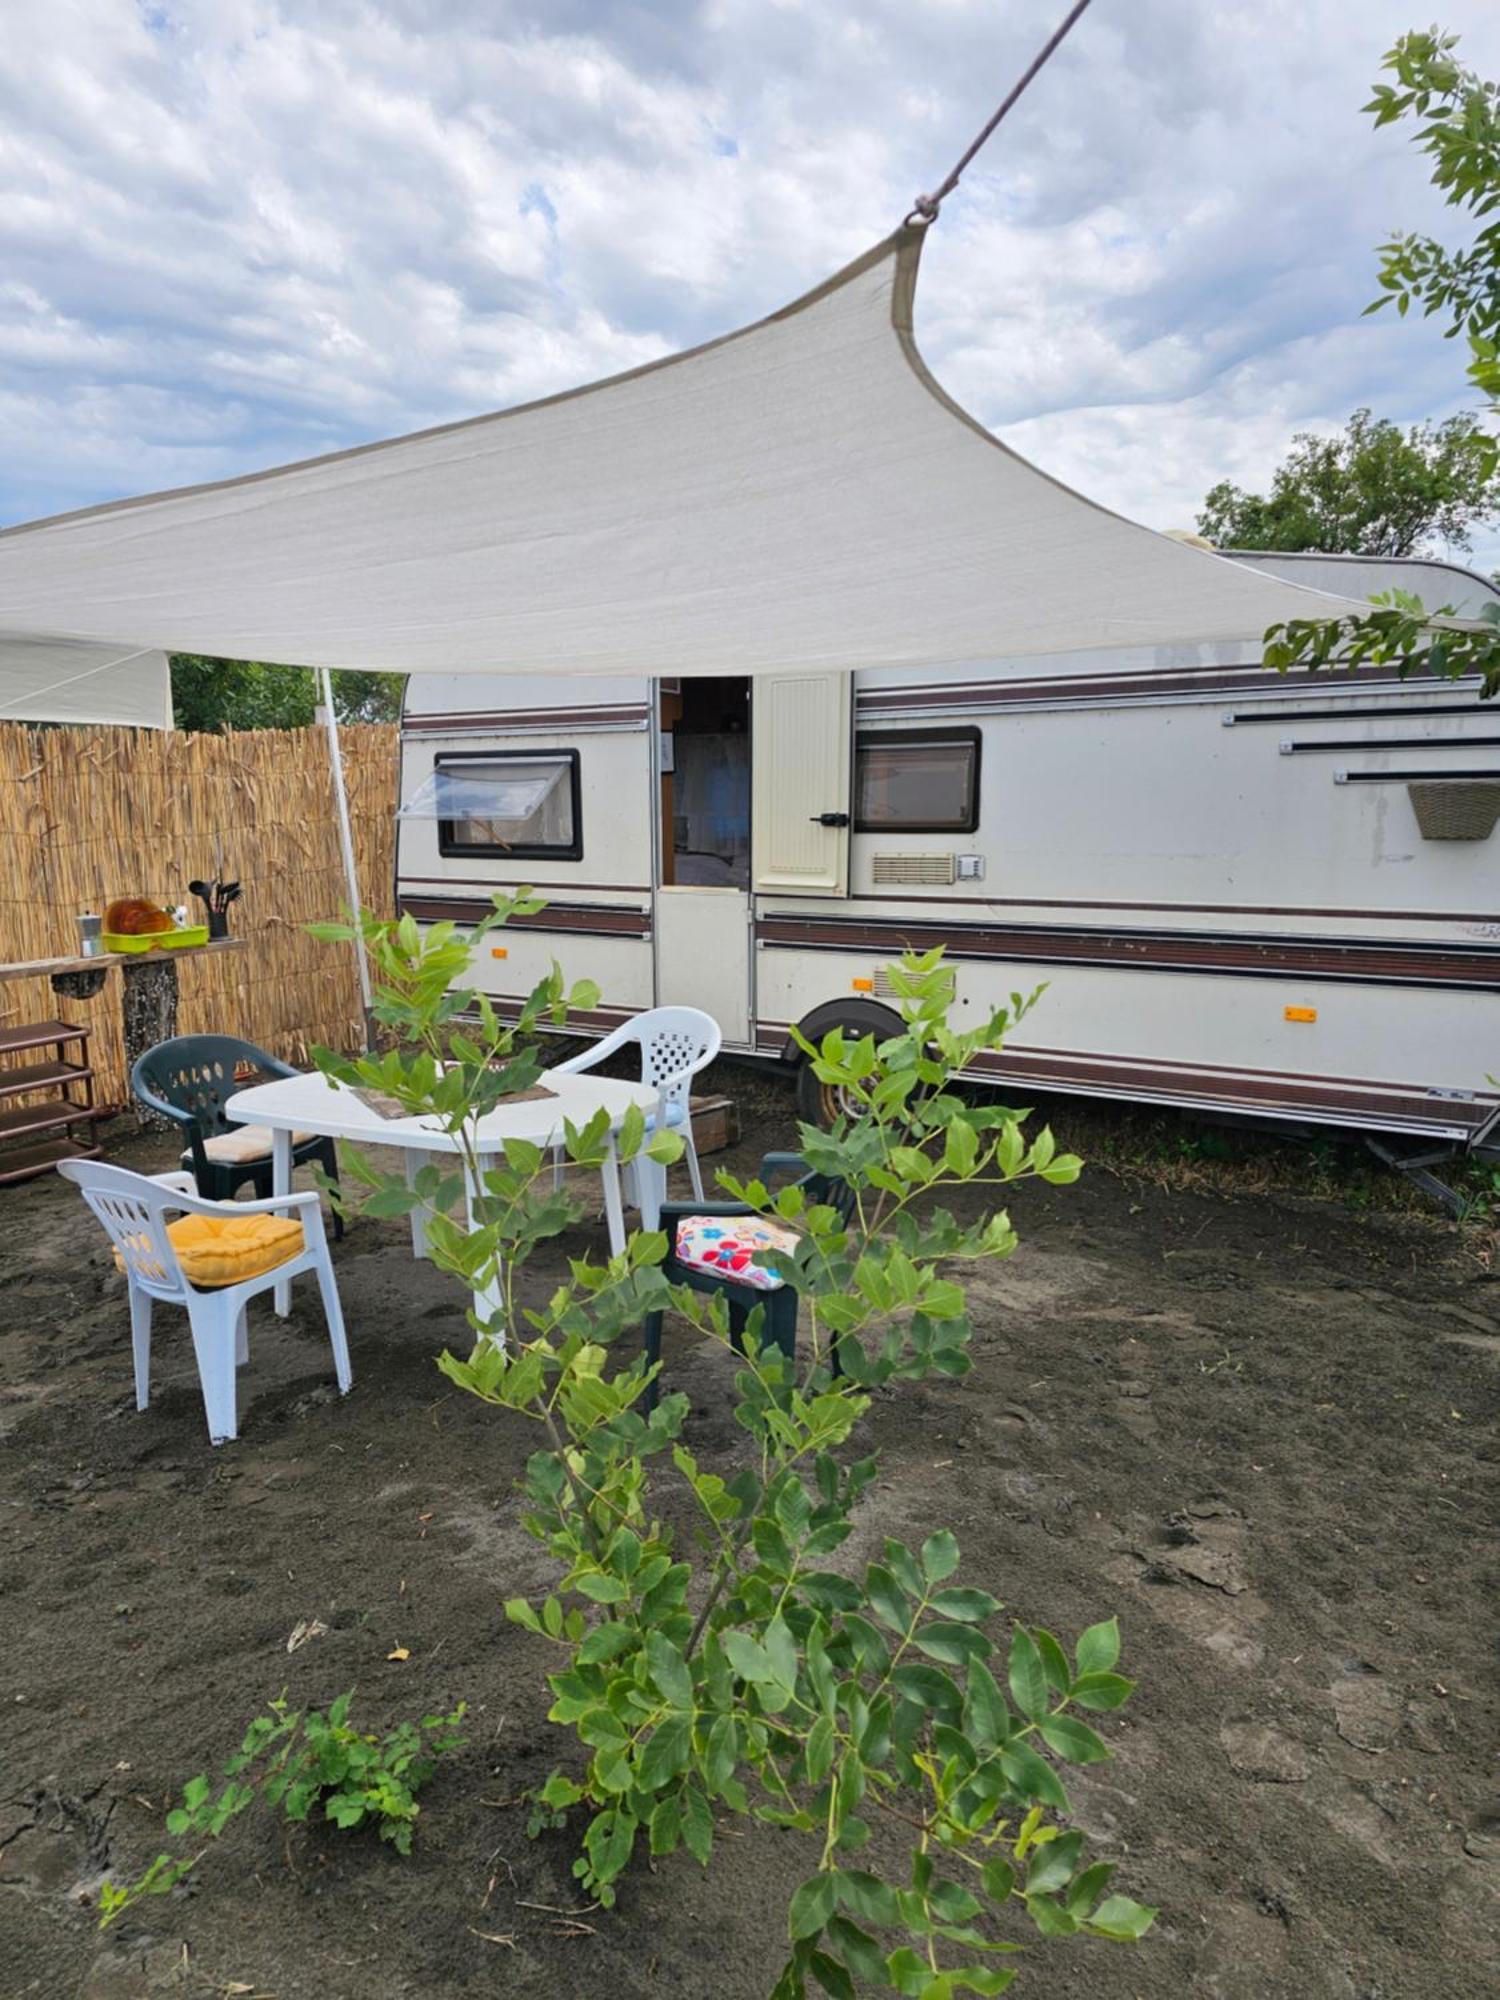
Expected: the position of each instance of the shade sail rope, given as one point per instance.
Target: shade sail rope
(926, 206)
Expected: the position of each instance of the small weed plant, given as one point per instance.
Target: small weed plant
(299, 1761)
(881, 1708)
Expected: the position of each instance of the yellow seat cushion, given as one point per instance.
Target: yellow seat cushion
(222, 1249)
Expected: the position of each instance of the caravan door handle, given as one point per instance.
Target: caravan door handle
(829, 819)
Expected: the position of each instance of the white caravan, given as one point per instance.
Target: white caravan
(1246, 894)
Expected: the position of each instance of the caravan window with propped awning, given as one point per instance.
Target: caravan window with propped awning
(512, 803)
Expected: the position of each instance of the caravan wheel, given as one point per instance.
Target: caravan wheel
(821, 1103)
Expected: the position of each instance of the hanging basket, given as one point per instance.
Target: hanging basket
(1456, 808)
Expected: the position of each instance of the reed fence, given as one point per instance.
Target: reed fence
(90, 814)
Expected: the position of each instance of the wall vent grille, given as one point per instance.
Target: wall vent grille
(932, 871)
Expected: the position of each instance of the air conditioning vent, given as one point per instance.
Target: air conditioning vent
(932, 871)
(883, 985)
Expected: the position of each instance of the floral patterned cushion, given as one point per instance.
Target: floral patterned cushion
(725, 1244)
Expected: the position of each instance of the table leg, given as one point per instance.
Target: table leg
(414, 1163)
(281, 1183)
(489, 1302)
(614, 1210)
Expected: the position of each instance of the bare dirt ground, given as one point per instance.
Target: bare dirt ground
(1260, 1429)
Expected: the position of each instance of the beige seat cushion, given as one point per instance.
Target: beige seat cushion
(245, 1143)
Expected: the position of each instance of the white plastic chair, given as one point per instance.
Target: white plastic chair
(133, 1208)
(675, 1043)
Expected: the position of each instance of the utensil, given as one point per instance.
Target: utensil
(218, 894)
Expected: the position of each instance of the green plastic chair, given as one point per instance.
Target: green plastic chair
(779, 1303)
(190, 1079)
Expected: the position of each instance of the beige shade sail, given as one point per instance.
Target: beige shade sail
(800, 494)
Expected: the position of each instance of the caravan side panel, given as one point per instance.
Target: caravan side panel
(597, 923)
(1219, 878)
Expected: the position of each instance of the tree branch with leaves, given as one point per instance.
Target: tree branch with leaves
(1457, 116)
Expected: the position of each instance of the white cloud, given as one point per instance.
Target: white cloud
(237, 231)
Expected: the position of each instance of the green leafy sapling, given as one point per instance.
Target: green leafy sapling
(299, 1760)
(453, 1059)
(751, 1669)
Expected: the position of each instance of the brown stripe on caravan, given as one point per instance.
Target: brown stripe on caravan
(581, 1020)
(1264, 1091)
(1484, 917)
(1290, 1093)
(1162, 1064)
(778, 1033)
(586, 919)
(870, 703)
(615, 716)
(1387, 964)
(494, 888)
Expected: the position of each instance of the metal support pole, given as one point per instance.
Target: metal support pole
(346, 838)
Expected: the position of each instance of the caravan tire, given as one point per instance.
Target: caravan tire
(820, 1103)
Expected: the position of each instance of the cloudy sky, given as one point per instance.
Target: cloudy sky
(235, 232)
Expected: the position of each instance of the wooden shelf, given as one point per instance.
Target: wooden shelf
(20, 1163)
(46, 1117)
(37, 1034)
(42, 968)
(41, 1076)
(44, 1126)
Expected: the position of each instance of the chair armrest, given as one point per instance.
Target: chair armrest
(274, 1066)
(152, 1102)
(275, 1204)
(596, 1052)
(575, 1063)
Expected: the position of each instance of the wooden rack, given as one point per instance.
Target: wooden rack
(148, 998)
(35, 1135)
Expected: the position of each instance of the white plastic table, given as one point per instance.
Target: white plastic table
(310, 1103)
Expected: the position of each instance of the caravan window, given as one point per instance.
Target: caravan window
(521, 803)
(917, 781)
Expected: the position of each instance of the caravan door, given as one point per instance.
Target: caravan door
(799, 830)
(702, 921)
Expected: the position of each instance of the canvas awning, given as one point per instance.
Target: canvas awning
(801, 493)
(71, 680)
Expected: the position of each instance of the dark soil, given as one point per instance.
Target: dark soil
(1258, 1429)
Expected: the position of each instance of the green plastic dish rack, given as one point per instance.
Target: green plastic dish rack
(176, 940)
